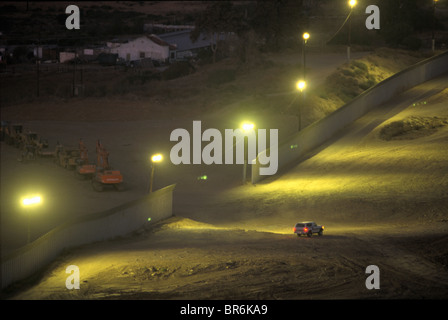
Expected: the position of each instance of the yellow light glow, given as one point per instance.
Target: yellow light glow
(247, 126)
(31, 201)
(156, 158)
(301, 85)
(306, 36)
(352, 3)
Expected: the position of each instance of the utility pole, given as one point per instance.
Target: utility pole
(351, 3)
(38, 66)
(433, 42)
(74, 73)
(1, 256)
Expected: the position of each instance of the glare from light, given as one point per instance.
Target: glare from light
(247, 126)
(157, 158)
(301, 85)
(31, 201)
(306, 36)
(352, 3)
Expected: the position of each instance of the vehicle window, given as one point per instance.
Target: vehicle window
(308, 224)
(300, 225)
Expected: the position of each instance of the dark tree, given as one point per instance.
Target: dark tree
(218, 19)
(401, 19)
(279, 22)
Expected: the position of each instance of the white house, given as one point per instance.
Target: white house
(66, 56)
(144, 47)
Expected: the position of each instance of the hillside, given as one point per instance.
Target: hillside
(267, 85)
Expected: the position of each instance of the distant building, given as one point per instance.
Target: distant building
(46, 52)
(144, 47)
(183, 46)
(91, 53)
(65, 56)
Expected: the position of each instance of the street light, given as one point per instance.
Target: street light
(305, 37)
(246, 126)
(154, 159)
(28, 203)
(301, 85)
(351, 3)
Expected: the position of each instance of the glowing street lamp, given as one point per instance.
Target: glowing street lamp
(247, 127)
(28, 203)
(301, 85)
(351, 3)
(305, 37)
(31, 201)
(154, 159)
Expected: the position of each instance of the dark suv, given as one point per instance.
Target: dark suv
(308, 228)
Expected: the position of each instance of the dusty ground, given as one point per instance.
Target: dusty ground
(383, 203)
(184, 259)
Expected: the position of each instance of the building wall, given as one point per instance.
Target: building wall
(66, 56)
(100, 226)
(319, 132)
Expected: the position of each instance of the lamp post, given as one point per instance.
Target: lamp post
(351, 3)
(305, 37)
(433, 44)
(154, 159)
(301, 85)
(246, 126)
(28, 203)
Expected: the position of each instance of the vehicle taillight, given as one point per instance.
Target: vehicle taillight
(305, 229)
(294, 229)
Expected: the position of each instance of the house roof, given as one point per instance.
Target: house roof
(160, 42)
(151, 37)
(182, 41)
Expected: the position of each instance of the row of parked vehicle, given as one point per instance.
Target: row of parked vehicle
(33, 146)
